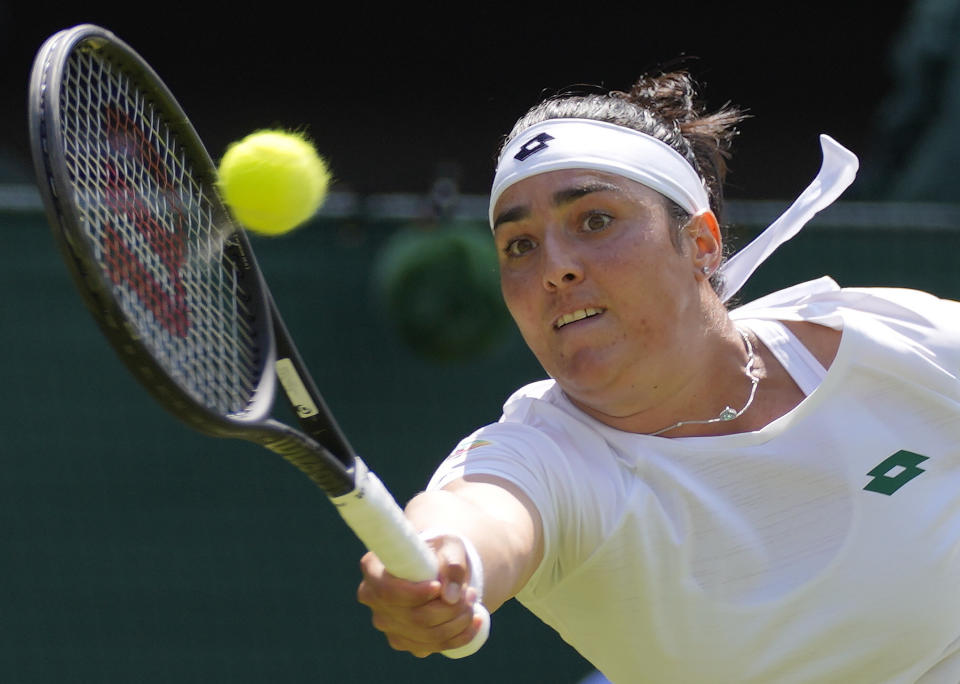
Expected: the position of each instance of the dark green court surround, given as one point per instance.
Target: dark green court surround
(135, 550)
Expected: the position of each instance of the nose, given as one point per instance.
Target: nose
(562, 265)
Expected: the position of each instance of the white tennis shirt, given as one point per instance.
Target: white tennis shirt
(824, 548)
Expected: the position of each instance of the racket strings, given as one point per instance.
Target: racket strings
(155, 234)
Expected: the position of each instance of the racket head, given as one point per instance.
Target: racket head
(130, 194)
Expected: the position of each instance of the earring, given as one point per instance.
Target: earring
(705, 270)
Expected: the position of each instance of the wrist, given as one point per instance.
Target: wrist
(474, 561)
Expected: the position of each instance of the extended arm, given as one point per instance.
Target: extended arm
(428, 617)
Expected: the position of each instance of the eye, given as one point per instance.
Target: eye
(596, 221)
(518, 247)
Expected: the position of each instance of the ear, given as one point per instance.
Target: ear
(704, 232)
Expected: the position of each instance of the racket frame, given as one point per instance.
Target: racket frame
(323, 439)
(321, 450)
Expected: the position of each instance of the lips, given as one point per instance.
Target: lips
(577, 315)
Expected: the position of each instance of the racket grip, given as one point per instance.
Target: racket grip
(374, 516)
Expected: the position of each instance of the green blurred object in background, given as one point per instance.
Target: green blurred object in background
(438, 285)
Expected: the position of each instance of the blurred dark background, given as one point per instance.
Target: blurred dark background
(393, 93)
(134, 550)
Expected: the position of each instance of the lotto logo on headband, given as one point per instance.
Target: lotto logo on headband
(533, 146)
(557, 144)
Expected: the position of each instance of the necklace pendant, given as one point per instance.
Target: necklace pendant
(727, 413)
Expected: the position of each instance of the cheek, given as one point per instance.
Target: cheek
(515, 283)
(513, 289)
(519, 295)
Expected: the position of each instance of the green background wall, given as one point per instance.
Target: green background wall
(135, 550)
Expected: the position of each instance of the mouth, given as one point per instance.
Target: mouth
(575, 316)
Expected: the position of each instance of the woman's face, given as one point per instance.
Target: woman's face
(602, 296)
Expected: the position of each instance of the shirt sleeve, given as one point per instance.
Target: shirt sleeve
(534, 463)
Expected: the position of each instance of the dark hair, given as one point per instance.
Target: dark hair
(666, 107)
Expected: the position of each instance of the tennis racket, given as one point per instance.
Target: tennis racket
(129, 191)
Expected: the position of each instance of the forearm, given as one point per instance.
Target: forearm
(500, 522)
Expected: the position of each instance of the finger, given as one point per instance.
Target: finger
(390, 592)
(439, 612)
(467, 635)
(378, 587)
(423, 641)
(433, 621)
(454, 570)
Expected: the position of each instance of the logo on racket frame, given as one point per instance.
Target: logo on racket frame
(168, 304)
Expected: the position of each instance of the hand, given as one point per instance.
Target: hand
(423, 617)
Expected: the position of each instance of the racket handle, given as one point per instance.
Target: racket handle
(374, 516)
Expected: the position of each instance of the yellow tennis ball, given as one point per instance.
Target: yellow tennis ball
(273, 181)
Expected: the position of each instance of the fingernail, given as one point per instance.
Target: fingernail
(471, 596)
(451, 592)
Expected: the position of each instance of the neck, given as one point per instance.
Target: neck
(712, 377)
(728, 414)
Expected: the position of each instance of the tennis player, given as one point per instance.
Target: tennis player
(698, 493)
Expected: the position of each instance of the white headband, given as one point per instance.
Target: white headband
(586, 144)
(558, 144)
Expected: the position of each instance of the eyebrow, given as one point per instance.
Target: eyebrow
(560, 198)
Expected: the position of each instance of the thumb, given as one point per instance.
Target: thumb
(454, 568)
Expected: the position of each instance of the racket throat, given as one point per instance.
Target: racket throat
(308, 456)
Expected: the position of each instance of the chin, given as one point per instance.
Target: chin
(588, 378)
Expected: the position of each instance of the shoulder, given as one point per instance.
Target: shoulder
(542, 444)
(906, 322)
(561, 468)
(820, 340)
(541, 391)
(911, 316)
(825, 303)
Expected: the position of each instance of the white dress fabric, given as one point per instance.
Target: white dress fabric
(823, 548)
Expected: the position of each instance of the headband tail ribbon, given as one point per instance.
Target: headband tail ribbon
(837, 172)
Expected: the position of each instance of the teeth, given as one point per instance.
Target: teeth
(577, 315)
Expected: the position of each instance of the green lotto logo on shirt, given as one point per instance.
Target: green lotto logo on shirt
(894, 472)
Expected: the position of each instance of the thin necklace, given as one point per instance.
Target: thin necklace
(727, 413)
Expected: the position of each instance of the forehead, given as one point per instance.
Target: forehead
(553, 186)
